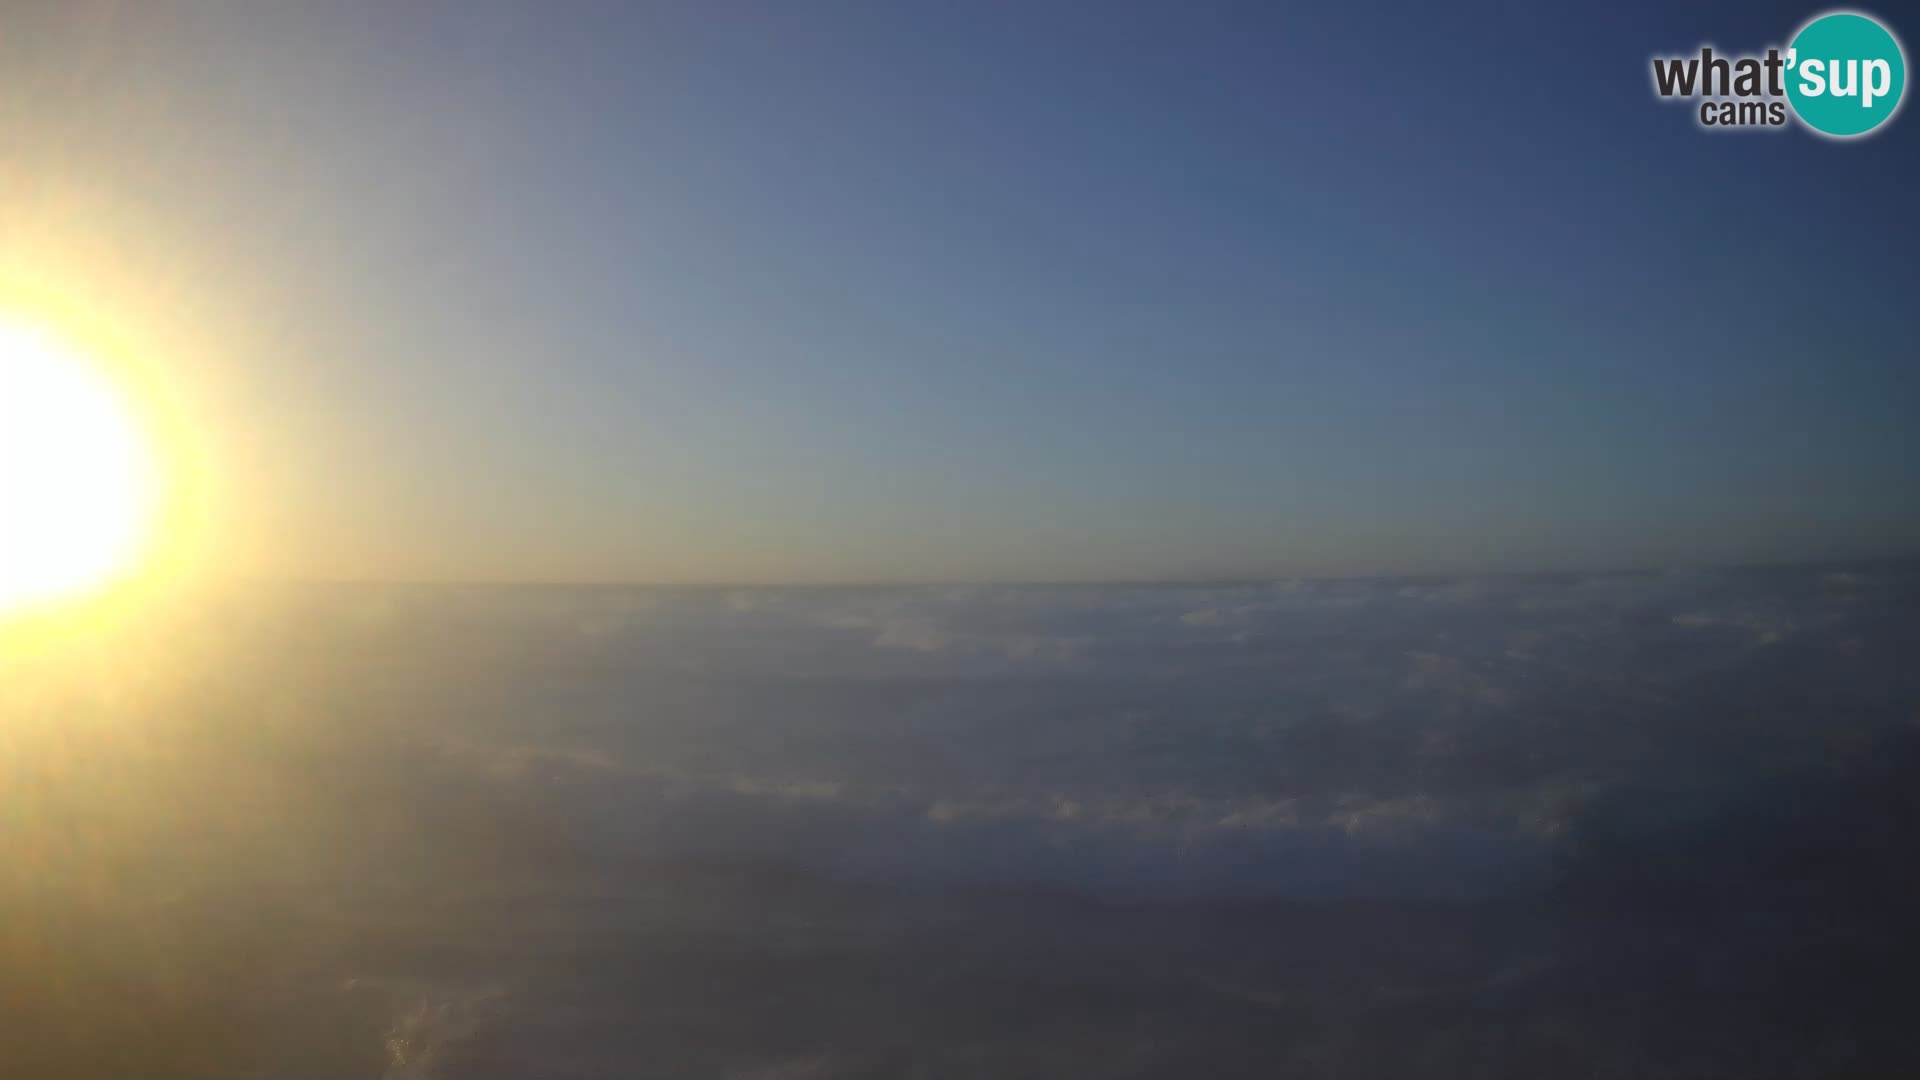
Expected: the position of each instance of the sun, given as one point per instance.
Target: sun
(77, 479)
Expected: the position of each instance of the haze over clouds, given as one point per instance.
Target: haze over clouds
(447, 830)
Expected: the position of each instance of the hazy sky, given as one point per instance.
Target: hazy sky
(827, 291)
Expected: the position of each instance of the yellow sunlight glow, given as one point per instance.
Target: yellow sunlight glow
(76, 476)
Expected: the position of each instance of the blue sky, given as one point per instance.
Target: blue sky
(898, 291)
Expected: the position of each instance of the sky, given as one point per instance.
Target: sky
(898, 291)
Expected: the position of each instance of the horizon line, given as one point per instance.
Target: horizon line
(1170, 582)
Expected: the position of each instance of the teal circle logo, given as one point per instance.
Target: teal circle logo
(1845, 74)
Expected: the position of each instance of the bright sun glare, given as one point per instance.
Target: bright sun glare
(76, 478)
